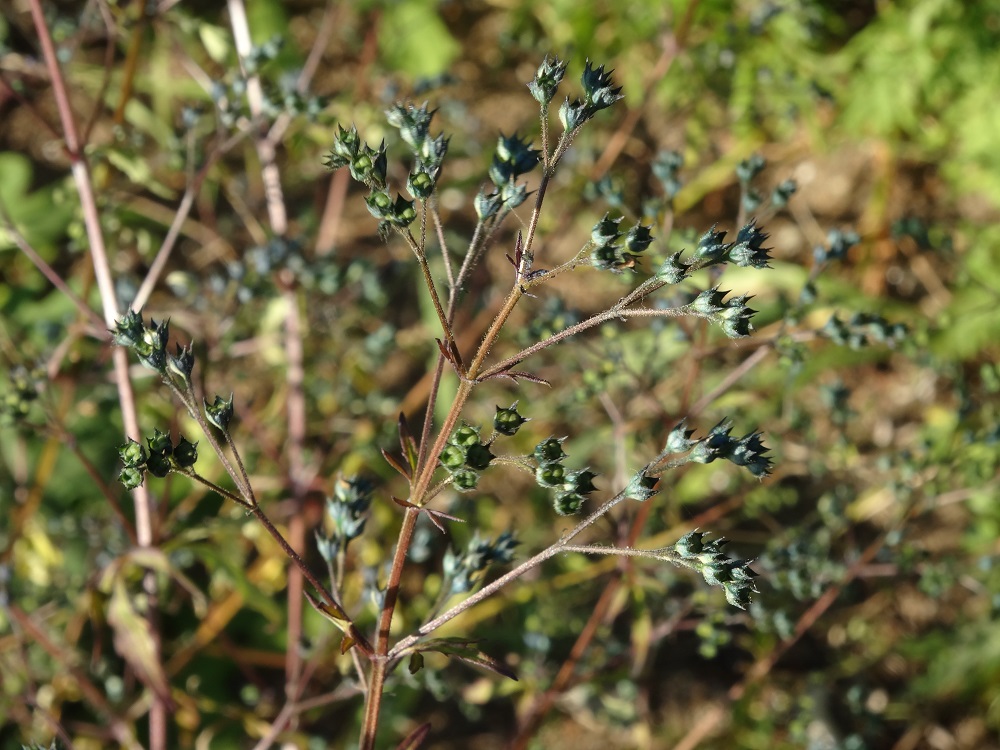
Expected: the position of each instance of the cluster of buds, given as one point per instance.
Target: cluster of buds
(747, 251)
(162, 457)
(837, 244)
(732, 315)
(369, 167)
(718, 569)
(346, 514)
(25, 387)
(465, 569)
(413, 124)
(465, 457)
(614, 251)
(746, 171)
(278, 97)
(150, 345)
(861, 329)
(512, 159)
(546, 81)
(571, 487)
(599, 92)
(553, 316)
(666, 167)
(748, 451)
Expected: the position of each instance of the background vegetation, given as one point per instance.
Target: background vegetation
(877, 623)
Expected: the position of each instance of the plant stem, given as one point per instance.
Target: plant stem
(80, 169)
(487, 591)
(380, 660)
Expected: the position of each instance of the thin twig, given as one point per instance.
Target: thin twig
(273, 192)
(100, 331)
(144, 512)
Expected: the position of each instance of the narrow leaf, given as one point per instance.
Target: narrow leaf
(394, 463)
(488, 662)
(433, 515)
(416, 662)
(445, 352)
(415, 738)
(133, 640)
(515, 374)
(467, 651)
(407, 442)
(334, 614)
(456, 355)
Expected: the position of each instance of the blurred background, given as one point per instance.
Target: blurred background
(872, 373)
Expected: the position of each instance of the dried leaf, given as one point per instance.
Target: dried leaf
(407, 442)
(134, 641)
(394, 463)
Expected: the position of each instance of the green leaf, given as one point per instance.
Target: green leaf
(464, 650)
(414, 40)
(133, 638)
(216, 41)
(41, 216)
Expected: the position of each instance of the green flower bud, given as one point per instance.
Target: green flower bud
(513, 195)
(547, 79)
(607, 258)
(673, 271)
(606, 232)
(783, 193)
(379, 204)
(567, 503)
(709, 302)
(131, 477)
(159, 443)
(549, 450)
(711, 247)
(679, 440)
(640, 487)
(737, 595)
(716, 573)
(453, 457)
(572, 115)
(412, 122)
(478, 457)
(345, 148)
(152, 349)
(465, 436)
(599, 88)
(487, 205)
(186, 453)
(465, 480)
(181, 363)
(403, 213)
(638, 239)
(749, 168)
(690, 544)
(219, 412)
(749, 250)
(129, 330)
(420, 185)
(158, 465)
(132, 454)
(508, 421)
(665, 169)
(580, 482)
(550, 475)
